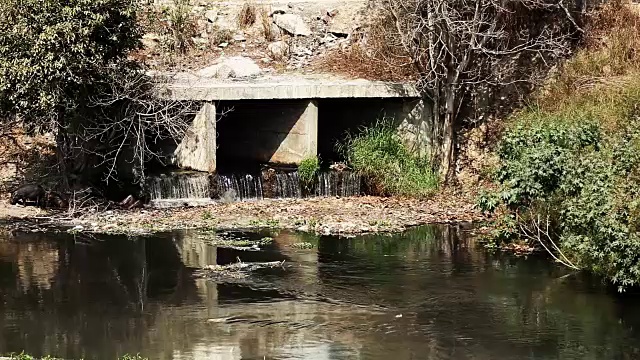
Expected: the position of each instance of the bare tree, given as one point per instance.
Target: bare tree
(128, 117)
(472, 53)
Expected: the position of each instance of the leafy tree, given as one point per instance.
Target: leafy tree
(56, 54)
(64, 68)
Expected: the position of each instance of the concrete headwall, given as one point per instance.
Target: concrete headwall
(339, 116)
(197, 151)
(268, 131)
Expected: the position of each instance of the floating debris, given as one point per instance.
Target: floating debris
(237, 270)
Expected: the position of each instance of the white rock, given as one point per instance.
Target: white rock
(293, 24)
(233, 67)
(211, 15)
(345, 21)
(278, 49)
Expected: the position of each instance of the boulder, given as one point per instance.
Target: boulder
(211, 15)
(278, 10)
(231, 68)
(345, 21)
(292, 23)
(278, 49)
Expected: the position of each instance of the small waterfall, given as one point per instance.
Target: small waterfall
(194, 188)
(245, 187)
(287, 185)
(179, 186)
(338, 183)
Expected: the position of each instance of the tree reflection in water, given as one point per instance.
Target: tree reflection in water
(427, 293)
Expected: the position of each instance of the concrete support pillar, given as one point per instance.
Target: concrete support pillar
(415, 126)
(301, 141)
(197, 151)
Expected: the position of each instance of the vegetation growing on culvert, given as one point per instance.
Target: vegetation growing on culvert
(379, 155)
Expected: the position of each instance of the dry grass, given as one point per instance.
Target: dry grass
(374, 56)
(608, 64)
(248, 15)
(267, 25)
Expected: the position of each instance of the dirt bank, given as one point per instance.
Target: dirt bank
(344, 216)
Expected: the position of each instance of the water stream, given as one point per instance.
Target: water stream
(176, 188)
(288, 185)
(180, 185)
(429, 293)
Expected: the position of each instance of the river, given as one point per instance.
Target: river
(428, 293)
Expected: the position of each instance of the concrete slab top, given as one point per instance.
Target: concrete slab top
(188, 86)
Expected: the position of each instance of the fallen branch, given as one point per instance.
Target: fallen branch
(237, 270)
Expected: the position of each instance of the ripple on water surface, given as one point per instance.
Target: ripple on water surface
(429, 293)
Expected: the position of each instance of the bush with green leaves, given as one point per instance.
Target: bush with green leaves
(308, 170)
(54, 53)
(585, 178)
(378, 154)
(56, 58)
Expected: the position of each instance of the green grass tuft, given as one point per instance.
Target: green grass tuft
(378, 154)
(308, 170)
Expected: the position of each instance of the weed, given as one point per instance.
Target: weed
(312, 223)
(268, 30)
(132, 357)
(378, 154)
(272, 223)
(207, 215)
(308, 171)
(182, 25)
(379, 223)
(302, 245)
(248, 15)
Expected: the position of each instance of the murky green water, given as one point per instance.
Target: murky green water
(426, 294)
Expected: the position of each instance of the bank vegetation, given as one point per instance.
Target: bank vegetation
(569, 164)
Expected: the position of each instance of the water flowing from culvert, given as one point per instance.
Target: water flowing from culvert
(342, 183)
(176, 186)
(286, 185)
(240, 187)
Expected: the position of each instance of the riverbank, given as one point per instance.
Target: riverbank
(330, 216)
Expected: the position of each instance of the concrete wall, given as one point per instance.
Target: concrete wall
(273, 131)
(339, 116)
(197, 151)
(235, 135)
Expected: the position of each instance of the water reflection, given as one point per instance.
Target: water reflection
(426, 294)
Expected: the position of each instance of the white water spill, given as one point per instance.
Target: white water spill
(194, 188)
(343, 183)
(286, 185)
(244, 187)
(180, 188)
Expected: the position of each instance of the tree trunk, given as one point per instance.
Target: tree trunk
(61, 148)
(448, 143)
(448, 136)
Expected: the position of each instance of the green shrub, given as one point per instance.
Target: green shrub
(308, 170)
(585, 179)
(54, 53)
(379, 155)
